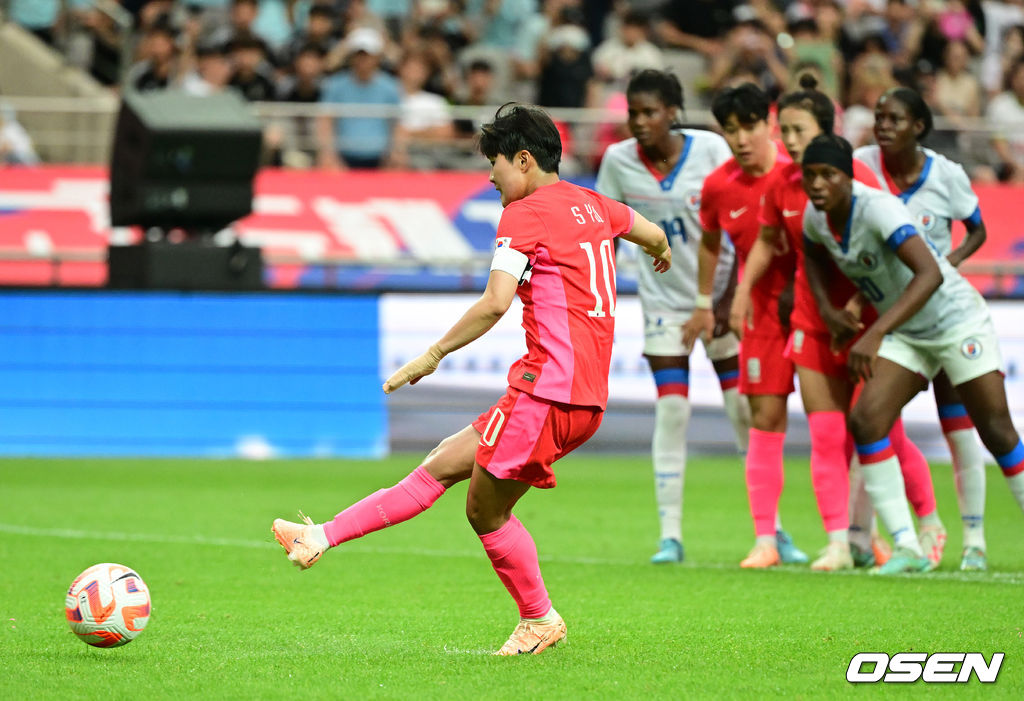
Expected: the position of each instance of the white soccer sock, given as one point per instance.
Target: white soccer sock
(861, 510)
(931, 520)
(842, 536)
(318, 535)
(737, 408)
(969, 475)
(668, 450)
(884, 484)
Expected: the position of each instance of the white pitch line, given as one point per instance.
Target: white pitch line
(1011, 578)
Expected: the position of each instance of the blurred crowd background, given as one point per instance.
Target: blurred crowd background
(405, 83)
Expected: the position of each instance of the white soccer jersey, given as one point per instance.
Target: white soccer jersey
(878, 224)
(673, 202)
(941, 194)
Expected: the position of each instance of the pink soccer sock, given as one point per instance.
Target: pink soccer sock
(917, 476)
(764, 478)
(829, 471)
(385, 507)
(514, 557)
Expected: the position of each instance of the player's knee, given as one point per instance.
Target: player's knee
(865, 426)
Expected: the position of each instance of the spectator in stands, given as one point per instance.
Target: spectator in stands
(393, 12)
(616, 59)
(696, 25)
(957, 92)
(157, 68)
(251, 74)
(498, 23)
(1000, 19)
(303, 84)
(425, 120)
(37, 16)
(358, 142)
(212, 72)
(902, 32)
(812, 45)
(566, 73)
(321, 31)
(98, 46)
(867, 85)
(477, 91)
(1011, 51)
(15, 143)
(1006, 111)
(750, 49)
(430, 42)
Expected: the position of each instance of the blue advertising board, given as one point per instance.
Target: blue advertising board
(189, 374)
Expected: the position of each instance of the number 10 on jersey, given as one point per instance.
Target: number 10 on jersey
(607, 259)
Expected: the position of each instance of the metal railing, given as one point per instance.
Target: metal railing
(295, 121)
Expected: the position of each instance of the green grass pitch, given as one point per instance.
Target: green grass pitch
(414, 611)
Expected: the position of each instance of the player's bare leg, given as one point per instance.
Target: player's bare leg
(513, 555)
(450, 462)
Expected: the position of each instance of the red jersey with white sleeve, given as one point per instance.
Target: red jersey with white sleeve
(783, 208)
(729, 203)
(559, 242)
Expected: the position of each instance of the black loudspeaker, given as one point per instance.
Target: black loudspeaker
(184, 266)
(181, 161)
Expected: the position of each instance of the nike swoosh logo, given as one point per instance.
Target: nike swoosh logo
(790, 212)
(736, 212)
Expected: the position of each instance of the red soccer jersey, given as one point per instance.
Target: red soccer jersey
(783, 208)
(567, 232)
(729, 202)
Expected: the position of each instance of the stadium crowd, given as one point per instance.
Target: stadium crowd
(966, 58)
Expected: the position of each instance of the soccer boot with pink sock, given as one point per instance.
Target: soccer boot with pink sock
(835, 556)
(933, 542)
(533, 636)
(763, 555)
(298, 541)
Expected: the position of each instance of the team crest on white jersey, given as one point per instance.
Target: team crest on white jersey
(693, 200)
(971, 348)
(868, 260)
(927, 220)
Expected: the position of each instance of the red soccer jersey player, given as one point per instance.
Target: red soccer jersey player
(555, 250)
(729, 205)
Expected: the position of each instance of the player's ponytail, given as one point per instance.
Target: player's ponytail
(813, 101)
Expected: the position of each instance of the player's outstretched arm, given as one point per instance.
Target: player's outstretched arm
(478, 320)
(652, 240)
(703, 321)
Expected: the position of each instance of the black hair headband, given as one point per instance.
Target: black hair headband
(829, 153)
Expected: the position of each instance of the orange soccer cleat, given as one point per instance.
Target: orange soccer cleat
(763, 555)
(302, 548)
(531, 637)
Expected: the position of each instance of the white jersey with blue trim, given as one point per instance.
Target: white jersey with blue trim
(879, 223)
(673, 202)
(941, 195)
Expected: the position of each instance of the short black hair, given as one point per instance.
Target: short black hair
(915, 104)
(661, 83)
(747, 102)
(813, 101)
(519, 127)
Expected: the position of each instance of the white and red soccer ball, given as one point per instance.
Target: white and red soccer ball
(107, 605)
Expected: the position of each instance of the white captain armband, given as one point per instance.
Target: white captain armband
(509, 260)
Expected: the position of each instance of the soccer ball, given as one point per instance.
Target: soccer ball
(107, 605)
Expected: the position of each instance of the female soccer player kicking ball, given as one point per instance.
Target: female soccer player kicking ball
(555, 248)
(825, 385)
(659, 173)
(937, 191)
(931, 319)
